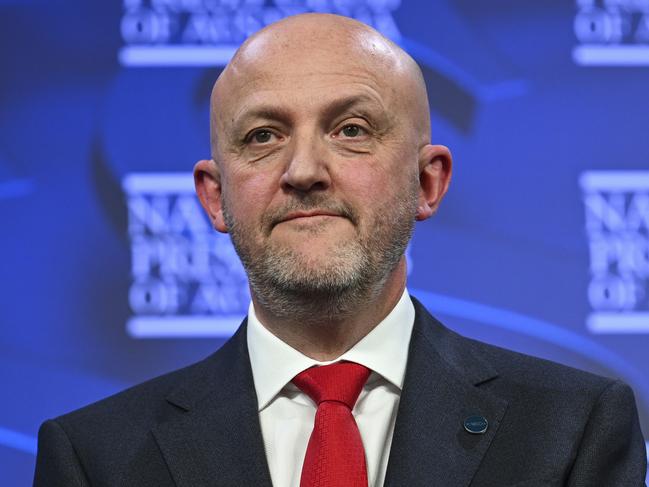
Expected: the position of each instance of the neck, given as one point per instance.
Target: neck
(323, 334)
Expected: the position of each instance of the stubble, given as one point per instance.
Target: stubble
(295, 286)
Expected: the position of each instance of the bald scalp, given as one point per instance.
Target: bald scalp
(319, 44)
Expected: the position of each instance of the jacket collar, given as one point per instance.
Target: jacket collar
(430, 446)
(214, 438)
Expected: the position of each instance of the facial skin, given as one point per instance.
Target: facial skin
(321, 163)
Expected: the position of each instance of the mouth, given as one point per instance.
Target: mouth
(305, 215)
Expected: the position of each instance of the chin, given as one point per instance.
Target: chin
(316, 270)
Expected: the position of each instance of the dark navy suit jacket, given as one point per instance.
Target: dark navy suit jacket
(548, 425)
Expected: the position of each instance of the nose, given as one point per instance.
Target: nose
(307, 169)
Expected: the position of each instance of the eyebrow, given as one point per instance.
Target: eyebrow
(282, 115)
(347, 103)
(263, 112)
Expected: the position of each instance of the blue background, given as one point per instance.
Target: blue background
(505, 260)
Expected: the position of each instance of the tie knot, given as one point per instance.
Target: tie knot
(341, 382)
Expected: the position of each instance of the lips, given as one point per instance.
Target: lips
(311, 208)
(307, 214)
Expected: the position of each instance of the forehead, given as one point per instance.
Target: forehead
(304, 83)
(302, 44)
(295, 75)
(310, 91)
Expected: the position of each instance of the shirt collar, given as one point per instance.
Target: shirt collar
(383, 350)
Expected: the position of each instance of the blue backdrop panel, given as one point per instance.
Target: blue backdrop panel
(110, 273)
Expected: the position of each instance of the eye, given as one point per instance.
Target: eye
(261, 136)
(352, 130)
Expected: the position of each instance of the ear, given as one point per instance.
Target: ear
(207, 179)
(435, 168)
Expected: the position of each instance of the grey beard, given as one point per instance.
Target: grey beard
(353, 277)
(291, 292)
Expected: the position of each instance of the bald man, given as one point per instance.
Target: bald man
(321, 164)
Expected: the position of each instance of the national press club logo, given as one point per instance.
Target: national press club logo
(617, 226)
(612, 33)
(207, 32)
(187, 279)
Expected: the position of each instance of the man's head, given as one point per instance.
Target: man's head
(321, 162)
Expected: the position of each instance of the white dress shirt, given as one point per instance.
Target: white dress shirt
(287, 414)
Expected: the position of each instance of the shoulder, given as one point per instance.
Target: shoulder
(126, 418)
(539, 373)
(101, 439)
(108, 438)
(143, 397)
(150, 401)
(583, 426)
(512, 373)
(555, 421)
(130, 412)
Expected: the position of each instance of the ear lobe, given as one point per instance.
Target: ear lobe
(219, 222)
(435, 168)
(207, 180)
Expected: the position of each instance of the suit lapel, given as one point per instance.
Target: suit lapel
(213, 437)
(430, 446)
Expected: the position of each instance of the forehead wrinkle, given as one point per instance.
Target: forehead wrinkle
(259, 88)
(297, 74)
(320, 107)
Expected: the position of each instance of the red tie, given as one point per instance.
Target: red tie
(335, 456)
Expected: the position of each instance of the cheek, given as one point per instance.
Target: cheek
(252, 188)
(373, 183)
